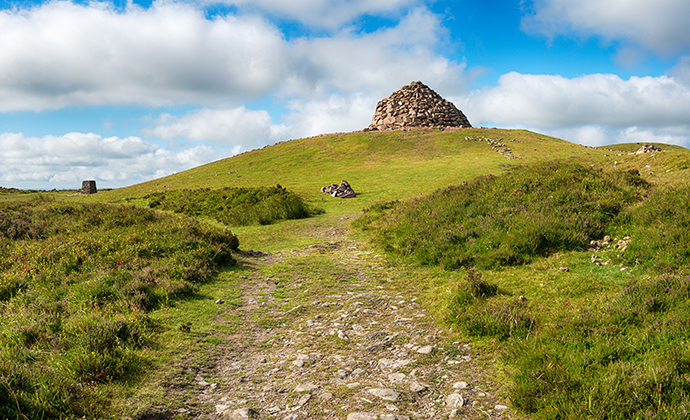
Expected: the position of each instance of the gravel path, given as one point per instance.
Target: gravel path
(337, 339)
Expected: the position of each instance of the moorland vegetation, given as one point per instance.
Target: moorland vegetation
(582, 329)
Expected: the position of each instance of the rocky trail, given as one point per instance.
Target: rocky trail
(327, 333)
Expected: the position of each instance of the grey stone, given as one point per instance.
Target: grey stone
(305, 398)
(344, 190)
(417, 387)
(88, 187)
(416, 105)
(455, 401)
(361, 415)
(393, 417)
(239, 414)
(461, 385)
(306, 387)
(389, 364)
(425, 349)
(385, 393)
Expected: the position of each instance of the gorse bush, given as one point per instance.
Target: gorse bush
(508, 219)
(76, 283)
(235, 206)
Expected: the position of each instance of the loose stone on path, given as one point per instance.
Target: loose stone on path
(385, 393)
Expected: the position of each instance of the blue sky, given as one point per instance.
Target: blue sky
(127, 91)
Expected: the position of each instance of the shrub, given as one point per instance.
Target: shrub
(505, 220)
(471, 309)
(74, 299)
(660, 230)
(235, 206)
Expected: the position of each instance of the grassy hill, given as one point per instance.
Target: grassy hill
(380, 165)
(564, 328)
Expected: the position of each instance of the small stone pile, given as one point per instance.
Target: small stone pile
(605, 244)
(344, 190)
(647, 148)
(416, 105)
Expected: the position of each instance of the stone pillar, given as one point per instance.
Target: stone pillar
(88, 187)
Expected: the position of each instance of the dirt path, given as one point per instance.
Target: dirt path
(328, 335)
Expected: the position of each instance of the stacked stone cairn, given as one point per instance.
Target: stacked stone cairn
(88, 187)
(647, 148)
(344, 190)
(416, 105)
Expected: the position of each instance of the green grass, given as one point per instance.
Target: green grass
(235, 206)
(77, 283)
(93, 298)
(598, 341)
(531, 211)
(381, 166)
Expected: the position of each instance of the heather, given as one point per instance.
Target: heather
(235, 206)
(494, 221)
(77, 283)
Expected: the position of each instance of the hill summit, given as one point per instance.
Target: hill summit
(416, 105)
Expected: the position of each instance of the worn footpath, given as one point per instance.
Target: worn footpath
(329, 333)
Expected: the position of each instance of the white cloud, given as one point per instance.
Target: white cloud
(599, 136)
(380, 62)
(548, 101)
(60, 54)
(245, 130)
(336, 113)
(65, 161)
(658, 26)
(237, 126)
(329, 14)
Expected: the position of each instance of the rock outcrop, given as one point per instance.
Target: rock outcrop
(416, 105)
(344, 190)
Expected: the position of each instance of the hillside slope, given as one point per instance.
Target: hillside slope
(380, 166)
(320, 324)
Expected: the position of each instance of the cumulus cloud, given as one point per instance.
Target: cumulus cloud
(244, 129)
(61, 53)
(592, 135)
(378, 62)
(329, 14)
(336, 113)
(657, 26)
(65, 161)
(238, 127)
(548, 101)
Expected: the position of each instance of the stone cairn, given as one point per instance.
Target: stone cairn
(88, 187)
(344, 190)
(416, 105)
(647, 148)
